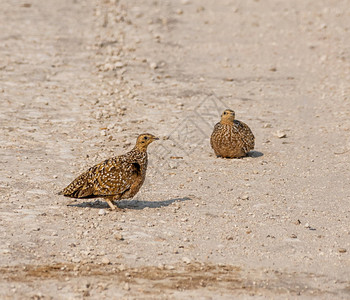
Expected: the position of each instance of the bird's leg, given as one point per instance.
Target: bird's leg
(110, 200)
(110, 203)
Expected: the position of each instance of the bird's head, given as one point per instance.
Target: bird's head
(143, 140)
(228, 116)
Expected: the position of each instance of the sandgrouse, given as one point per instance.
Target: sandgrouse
(116, 178)
(231, 138)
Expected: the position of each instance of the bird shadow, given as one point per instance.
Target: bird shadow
(131, 204)
(255, 154)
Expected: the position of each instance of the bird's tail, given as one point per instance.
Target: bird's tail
(74, 188)
(80, 187)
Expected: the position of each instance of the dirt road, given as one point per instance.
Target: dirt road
(79, 80)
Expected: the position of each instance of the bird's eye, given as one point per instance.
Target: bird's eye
(146, 138)
(225, 112)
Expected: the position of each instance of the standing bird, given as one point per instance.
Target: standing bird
(116, 178)
(231, 138)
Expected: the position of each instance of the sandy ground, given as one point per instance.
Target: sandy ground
(79, 80)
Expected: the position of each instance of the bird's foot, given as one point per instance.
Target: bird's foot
(113, 206)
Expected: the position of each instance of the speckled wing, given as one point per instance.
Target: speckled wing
(112, 177)
(246, 135)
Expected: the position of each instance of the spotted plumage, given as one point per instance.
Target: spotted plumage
(116, 178)
(231, 138)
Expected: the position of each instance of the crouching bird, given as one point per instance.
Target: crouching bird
(116, 178)
(231, 138)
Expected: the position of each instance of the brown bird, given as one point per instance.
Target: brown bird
(120, 177)
(231, 138)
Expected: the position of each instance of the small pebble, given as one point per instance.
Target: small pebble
(280, 134)
(105, 260)
(186, 260)
(342, 250)
(153, 65)
(119, 237)
(121, 268)
(118, 64)
(245, 197)
(293, 236)
(75, 260)
(161, 266)
(101, 212)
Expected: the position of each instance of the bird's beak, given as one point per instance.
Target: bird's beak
(156, 138)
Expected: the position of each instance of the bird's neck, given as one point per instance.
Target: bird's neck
(140, 148)
(226, 122)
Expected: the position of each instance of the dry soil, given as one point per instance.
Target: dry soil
(79, 80)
